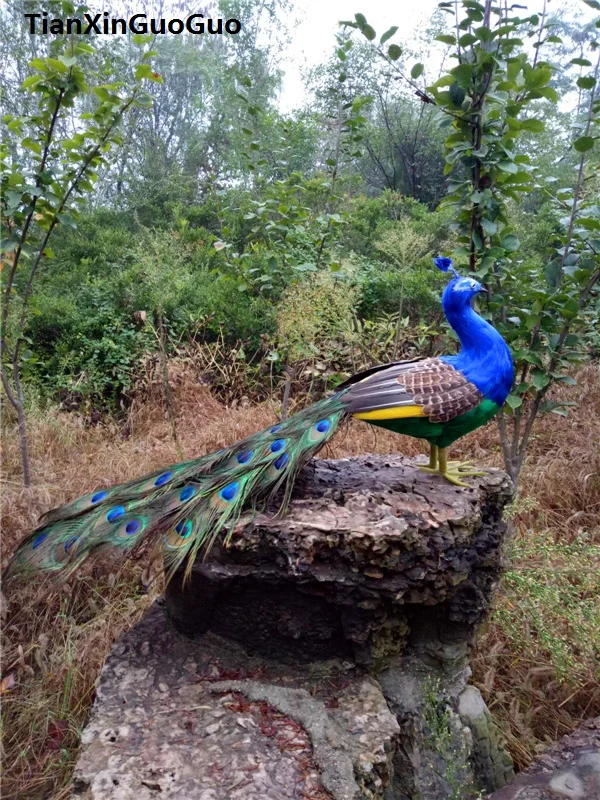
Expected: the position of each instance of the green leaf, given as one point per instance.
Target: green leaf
(369, 32)
(512, 401)
(360, 19)
(32, 145)
(67, 219)
(83, 47)
(457, 94)
(552, 272)
(416, 71)
(583, 144)
(508, 166)
(538, 77)
(467, 39)
(13, 199)
(539, 379)
(533, 125)
(142, 38)
(549, 92)
(388, 34)
(38, 63)
(586, 82)
(581, 62)
(489, 227)
(463, 74)
(143, 71)
(32, 80)
(394, 52)
(510, 243)
(484, 34)
(570, 309)
(566, 379)
(55, 64)
(446, 38)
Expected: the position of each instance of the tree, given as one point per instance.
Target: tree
(46, 176)
(482, 103)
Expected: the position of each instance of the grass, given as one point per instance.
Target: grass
(536, 661)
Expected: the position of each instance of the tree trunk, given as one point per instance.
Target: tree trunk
(290, 374)
(16, 401)
(24, 444)
(162, 352)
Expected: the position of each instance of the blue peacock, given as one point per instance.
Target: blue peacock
(188, 506)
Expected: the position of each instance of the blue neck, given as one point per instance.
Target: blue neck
(484, 357)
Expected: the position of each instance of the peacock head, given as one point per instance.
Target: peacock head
(460, 291)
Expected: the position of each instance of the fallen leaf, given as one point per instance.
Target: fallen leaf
(56, 733)
(7, 683)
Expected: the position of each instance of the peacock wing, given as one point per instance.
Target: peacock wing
(428, 387)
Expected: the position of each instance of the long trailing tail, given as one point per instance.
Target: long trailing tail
(186, 505)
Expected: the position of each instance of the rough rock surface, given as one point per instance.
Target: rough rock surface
(366, 541)
(330, 652)
(206, 720)
(569, 770)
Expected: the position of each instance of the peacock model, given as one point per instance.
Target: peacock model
(188, 505)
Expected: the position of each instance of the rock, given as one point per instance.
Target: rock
(492, 763)
(366, 543)
(268, 729)
(569, 770)
(329, 656)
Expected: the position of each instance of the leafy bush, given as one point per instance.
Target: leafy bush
(313, 314)
(385, 291)
(86, 347)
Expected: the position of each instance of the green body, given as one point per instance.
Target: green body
(441, 434)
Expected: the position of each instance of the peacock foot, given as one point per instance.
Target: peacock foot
(452, 471)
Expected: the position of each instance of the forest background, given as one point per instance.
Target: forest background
(183, 262)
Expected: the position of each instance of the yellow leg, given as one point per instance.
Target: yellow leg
(433, 456)
(452, 471)
(433, 460)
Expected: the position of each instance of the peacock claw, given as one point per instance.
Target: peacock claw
(459, 466)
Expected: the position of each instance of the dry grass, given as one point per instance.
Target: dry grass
(54, 649)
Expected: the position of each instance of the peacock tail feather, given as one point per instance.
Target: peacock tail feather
(185, 506)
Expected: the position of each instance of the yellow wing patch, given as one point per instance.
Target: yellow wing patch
(395, 412)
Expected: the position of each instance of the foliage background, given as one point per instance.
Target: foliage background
(230, 260)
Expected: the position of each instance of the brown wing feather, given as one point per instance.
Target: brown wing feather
(442, 391)
(438, 388)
